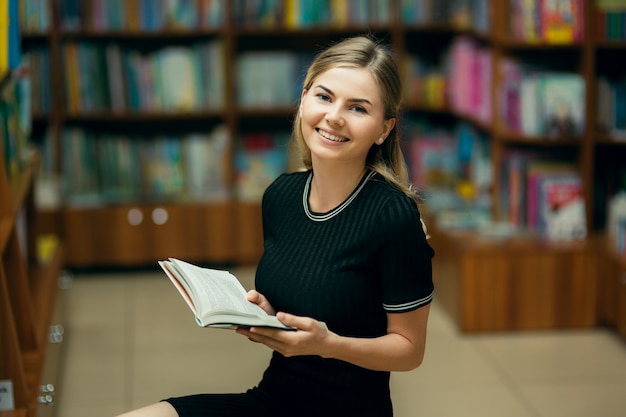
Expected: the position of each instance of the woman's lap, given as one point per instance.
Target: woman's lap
(220, 405)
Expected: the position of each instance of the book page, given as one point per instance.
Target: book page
(216, 290)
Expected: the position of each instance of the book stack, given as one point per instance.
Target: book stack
(534, 103)
(610, 20)
(470, 79)
(101, 168)
(173, 79)
(544, 195)
(139, 15)
(425, 83)
(301, 14)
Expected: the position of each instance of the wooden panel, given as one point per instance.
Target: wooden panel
(48, 222)
(216, 224)
(121, 235)
(11, 366)
(145, 233)
(249, 233)
(515, 285)
(168, 232)
(608, 271)
(621, 300)
(19, 288)
(79, 235)
(485, 295)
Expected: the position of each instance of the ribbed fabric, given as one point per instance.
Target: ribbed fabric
(349, 268)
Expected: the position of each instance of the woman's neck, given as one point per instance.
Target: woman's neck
(331, 187)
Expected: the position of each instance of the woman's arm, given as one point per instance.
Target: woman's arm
(401, 349)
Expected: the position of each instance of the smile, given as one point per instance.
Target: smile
(332, 137)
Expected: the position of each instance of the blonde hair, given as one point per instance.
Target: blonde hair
(364, 52)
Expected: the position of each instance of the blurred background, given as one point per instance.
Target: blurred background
(133, 131)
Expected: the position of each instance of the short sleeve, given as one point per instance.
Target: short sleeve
(405, 257)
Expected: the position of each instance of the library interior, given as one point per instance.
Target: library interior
(133, 131)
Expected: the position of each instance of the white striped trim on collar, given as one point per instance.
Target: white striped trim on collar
(326, 216)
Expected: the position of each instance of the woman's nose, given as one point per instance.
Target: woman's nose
(334, 117)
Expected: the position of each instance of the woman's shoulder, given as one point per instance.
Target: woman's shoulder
(386, 190)
(391, 200)
(288, 180)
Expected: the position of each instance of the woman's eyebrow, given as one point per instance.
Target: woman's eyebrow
(356, 100)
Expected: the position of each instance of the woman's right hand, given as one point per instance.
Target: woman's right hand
(259, 299)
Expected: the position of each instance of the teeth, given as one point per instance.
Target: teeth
(331, 136)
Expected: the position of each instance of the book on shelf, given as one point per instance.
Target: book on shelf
(562, 208)
(216, 297)
(543, 193)
(562, 98)
(269, 78)
(38, 59)
(616, 225)
(470, 81)
(610, 20)
(143, 15)
(562, 21)
(101, 167)
(611, 108)
(35, 16)
(548, 21)
(298, 14)
(540, 103)
(205, 165)
(14, 111)
(259, 160)
(10, 41)
(175, 78)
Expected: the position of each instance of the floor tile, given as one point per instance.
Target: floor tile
(131, 340)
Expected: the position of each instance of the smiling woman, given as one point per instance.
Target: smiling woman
(346, 260)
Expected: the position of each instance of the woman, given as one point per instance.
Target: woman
(346, 260)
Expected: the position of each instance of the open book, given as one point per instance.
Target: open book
(216, 297)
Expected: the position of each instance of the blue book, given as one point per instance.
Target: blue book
(15, 49)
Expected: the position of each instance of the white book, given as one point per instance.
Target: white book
(216, 297)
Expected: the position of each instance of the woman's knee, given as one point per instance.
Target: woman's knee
(161, 409)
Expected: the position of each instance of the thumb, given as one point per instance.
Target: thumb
(293, 321)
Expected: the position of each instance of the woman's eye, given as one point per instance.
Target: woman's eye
(323, 97)
(359, 109)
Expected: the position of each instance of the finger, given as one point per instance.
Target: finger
(253, 296)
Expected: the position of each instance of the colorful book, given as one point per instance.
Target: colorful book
(561, 21)
(562, 208)
(562, 99)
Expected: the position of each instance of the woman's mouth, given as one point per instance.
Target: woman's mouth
(332, 137)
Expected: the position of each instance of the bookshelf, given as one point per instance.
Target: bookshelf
(28, 283)
(229, 230)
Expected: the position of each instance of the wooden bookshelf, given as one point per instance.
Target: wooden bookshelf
(28, 291)
(230, 232)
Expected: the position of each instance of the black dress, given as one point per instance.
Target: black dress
(348, 268)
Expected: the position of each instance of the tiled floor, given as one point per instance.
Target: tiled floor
(130, 340)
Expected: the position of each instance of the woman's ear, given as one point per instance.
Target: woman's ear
(387, 127)
(301, 101)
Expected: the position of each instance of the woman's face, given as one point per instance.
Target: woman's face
(343, 115)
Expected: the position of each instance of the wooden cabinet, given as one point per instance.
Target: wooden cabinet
(515, 284)
(144, 233)
(28, 288)
(612, 289)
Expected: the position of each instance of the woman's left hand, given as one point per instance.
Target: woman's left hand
(310, 338)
